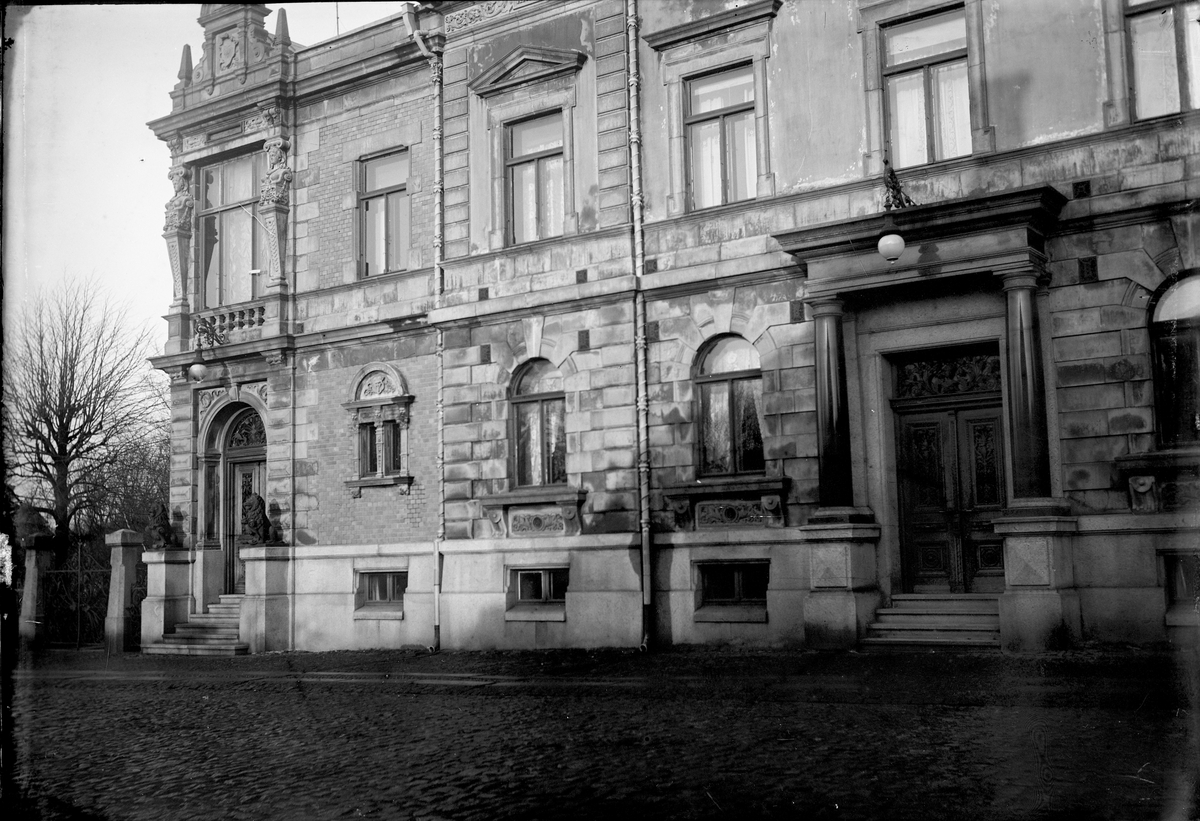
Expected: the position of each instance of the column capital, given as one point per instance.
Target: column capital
(1025, 279)
(827, 306)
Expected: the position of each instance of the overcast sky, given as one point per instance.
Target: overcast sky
(85, 181)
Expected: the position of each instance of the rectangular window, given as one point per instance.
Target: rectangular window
(370, 455)
(542, 586)
(382, 590)
(926, 90)
(384, 214)
(1164, 46)
(541, 442)
(232, 238)
(734, 584)
(721, 138)
(535, 179)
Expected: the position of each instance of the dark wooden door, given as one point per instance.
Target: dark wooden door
(951, 485)
(245, 479)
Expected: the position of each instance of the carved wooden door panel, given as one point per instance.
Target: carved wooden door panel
(245, 480)
(951, 486)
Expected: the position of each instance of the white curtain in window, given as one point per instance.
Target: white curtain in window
(1191, 37)
(236, 256)
(951, 111)
(551, 197)
(1155, 68)
(705, 145)
(906, 119)
(524, 206)
(743, 162)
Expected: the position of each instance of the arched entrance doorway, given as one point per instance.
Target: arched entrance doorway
(235, 469)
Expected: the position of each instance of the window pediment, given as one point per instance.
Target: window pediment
(524, 65)
(691, 32)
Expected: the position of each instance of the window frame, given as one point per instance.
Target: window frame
(380, 442)
(547, 584)
(541, 399)
(925, 66)
(700, 380)
(1183, 77)
(363, 196)
(544, 608)
(721, 115)
(389, 608)
(1172, 430)
(258, 238)
(738, 609)
(512, 162)
(894, 12)
(379, 418)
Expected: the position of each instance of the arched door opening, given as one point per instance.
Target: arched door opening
(235, 470)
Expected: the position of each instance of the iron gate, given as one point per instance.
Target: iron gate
(77, 596)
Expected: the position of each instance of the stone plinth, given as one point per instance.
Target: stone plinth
(168, 593)
(266, 615)
(843, 589)
(125, 545)
(1039, 607)
(38, 555)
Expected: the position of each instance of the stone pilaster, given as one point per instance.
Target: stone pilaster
(843, 589)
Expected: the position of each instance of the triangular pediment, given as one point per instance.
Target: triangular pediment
(524, 65)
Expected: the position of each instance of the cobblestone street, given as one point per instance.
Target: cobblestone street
(579, 735)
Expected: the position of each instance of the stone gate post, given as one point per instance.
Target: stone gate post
(125, 546)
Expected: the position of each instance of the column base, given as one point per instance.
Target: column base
(843, 586)
(1033, 620)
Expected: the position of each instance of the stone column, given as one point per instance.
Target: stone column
(1028, 438)
(39, 552)
(833, 423)
(124, 545)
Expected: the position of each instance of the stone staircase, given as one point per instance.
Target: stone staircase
(214, 633)
(949, 621)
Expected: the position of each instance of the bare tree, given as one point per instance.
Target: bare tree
(79, 398)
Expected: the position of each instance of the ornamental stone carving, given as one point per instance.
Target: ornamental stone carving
(376, 384)
(206, 398)
(967, 374)
(277, 182)
(733, 513)
(194, 141)
(179, 207)
(536, 524)
(459, 20)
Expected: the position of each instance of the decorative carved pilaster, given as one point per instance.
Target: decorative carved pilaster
(274, 196)
(177, 231)
(277, 182)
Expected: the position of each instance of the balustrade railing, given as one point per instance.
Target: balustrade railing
(229, 321)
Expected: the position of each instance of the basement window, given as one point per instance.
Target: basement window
(732, 591)
(380, 595)
(538, 594)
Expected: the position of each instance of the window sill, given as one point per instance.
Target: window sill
(378, 614)
(536, 612)
(730, 613)
(728, 501)
(356, 485)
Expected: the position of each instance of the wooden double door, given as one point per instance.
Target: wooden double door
(951, 485)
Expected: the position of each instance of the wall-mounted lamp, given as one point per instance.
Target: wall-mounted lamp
(205, 334)
(890, 246)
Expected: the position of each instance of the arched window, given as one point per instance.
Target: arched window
(539, 413)
(730, 386)
(1175, 344)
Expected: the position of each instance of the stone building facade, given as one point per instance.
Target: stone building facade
(570, 324)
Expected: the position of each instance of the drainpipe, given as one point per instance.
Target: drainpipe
(413, 28)
(639, 301)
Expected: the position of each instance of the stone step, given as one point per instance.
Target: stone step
(915, 616)
(901, 643)
(176, 638)
(946, 602)
(225, 610)
(188, 630)
(174, 649)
